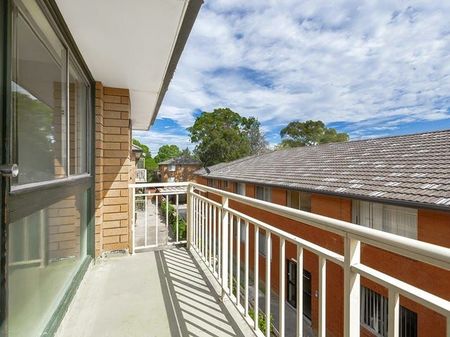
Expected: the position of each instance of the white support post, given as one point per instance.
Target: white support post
(352, 288)
(225, 226)
(268, 292)
(238, 262)
(203, 212)
(219, 240)
(133, 220)
(322, 297)
(214, 253)
(393, 313)
(299, 291)
(256, 279)
(210, 261)
(176, 224)
(230, 248)
(146, 222)
(246, 268)
(190, 230)
(282, 294)
(156, 219)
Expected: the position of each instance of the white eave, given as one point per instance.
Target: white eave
(132, 44)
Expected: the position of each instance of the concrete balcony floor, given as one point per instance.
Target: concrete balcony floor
(160, 293)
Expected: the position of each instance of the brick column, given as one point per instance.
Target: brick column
(114, 170)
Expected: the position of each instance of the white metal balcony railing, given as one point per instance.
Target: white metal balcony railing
(141, 175)
(210, 235)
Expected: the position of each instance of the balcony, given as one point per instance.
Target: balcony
(209, 288)
(141, 175)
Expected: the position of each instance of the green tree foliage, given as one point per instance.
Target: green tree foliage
(166, 152)
(309, 133)
(150, 164)
(223, 135)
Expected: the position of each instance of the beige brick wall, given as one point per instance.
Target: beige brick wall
(113, 169)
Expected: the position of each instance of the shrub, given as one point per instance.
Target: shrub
(173, 220)
(261, 320)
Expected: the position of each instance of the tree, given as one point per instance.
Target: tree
(149, 163)
(166, 152)
(309, 133)
(258, 143)
(223, 135)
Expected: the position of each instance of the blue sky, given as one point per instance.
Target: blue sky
(369, 68)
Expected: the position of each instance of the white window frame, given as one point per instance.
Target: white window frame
(299, 205)
(172, 167)
(387, 218)
(267, 193)
(240, 189)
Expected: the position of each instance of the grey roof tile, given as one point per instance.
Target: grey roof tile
(414, 168)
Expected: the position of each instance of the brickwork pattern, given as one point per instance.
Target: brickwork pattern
(113, 169)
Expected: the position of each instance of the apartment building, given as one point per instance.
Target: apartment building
(399, 185)
(178, 169)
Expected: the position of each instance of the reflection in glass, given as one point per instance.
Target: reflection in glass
(45, 251)
(38, 91)
(78, 103)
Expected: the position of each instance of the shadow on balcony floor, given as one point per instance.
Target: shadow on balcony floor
(161, 293)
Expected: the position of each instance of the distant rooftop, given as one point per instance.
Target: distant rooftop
(181, 161)
(412, 169)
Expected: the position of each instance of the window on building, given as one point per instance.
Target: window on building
(393, 219)
(209, 182)
(299, 200)
(291, 290)
(172, 168)
(263, 193)
(240, 188)
(374, 315)
(225, 184)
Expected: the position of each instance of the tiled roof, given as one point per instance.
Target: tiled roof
(181, 161)
(412, 168)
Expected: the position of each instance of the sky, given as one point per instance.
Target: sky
(368, 68)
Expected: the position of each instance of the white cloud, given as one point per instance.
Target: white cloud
(348, 61)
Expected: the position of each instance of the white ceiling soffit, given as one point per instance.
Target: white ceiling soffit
(132, 44)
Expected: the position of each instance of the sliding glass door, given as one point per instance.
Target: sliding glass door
(49, 135)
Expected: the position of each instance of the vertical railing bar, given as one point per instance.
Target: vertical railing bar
(219, 253)
(145, 220)
(322, 296)
(202, 214)
(238, 261)
(156, 219)
(224, 240)
(282, 295)
(246, 268)
(352, 288)
(177, 224)
(393, 313)
(230, 248)
(214, 239)
(256, 278)
(268, 292)
(299, 291)
(210, 235)
(133, 219)
(167, 216)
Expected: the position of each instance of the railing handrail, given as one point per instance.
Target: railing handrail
(144, 185)
(418, 250)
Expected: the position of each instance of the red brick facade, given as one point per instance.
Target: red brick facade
(433, 227)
